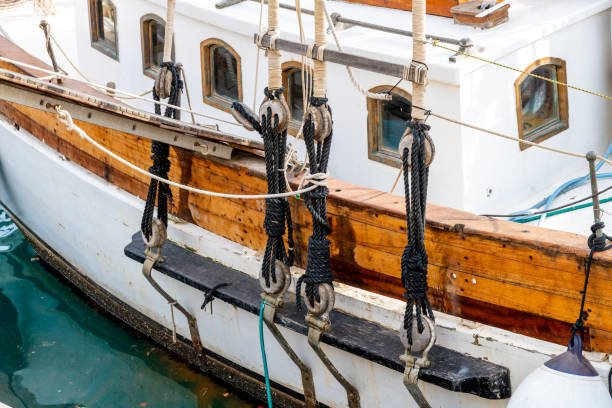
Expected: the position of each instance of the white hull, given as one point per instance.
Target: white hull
(88, 222)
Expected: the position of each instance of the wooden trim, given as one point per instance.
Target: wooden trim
(109, 48)
(208, 93)
(434, 7)
(563, 102)
(523, 278)
(375, 127)
(148, 68)
(287, 67)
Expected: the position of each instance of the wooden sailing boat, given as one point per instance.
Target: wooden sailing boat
(506, 292)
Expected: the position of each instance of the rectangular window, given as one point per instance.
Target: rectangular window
(221, 75)
(225, 73)
(292, 82)
(103, 27)
(541, 105)
(153, 33)
(386, 125)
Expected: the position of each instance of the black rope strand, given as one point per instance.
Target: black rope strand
(160, 154)
(596, 244)
(318, 266)
(278, 212)
(414, 258)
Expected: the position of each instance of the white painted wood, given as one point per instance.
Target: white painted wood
(88, 221)
(472, 171)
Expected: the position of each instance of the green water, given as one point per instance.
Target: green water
(58, 352)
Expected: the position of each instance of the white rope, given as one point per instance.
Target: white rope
(418, 54)
(44, 7)
(503, 136)
(311, 181)
(320, 40)
(68, 58)
(187, 92)
(372, 95)
(257, 60)
(105, 88)
(169, 30)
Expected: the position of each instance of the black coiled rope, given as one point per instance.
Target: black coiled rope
(414, 258)
(278, 213)
(318, 266)
(596, 244)
(160, 156)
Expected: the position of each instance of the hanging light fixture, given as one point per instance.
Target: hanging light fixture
(566, 381)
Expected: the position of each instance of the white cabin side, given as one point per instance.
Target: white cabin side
(471, 170)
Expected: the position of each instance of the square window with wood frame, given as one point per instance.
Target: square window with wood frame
(103, 27)
(294, 93)
(153, 34)
(386, 125)
(220, 74)
(542, 108)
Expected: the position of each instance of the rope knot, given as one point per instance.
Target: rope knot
(274, 222)
(418, 125)
(318, 270)
(318, 101)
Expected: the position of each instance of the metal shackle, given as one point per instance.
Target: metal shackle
(283, 279)
(158, 234)
(406, 143)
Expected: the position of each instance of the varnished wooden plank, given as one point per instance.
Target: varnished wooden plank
(364, 239)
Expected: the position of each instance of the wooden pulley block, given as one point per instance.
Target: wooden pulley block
(283, 279)
(158, 234)
(406, 143)
(278, 108)
(321, 120)
(326, 301)
(420, 341)
(239, 116)
(163, 83)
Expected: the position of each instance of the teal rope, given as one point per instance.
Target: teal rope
(263, 353)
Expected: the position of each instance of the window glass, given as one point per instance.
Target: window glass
(225, 72)
(295, 94)
(106, 21)
(539, 100)
(393, 117)
(156, 41)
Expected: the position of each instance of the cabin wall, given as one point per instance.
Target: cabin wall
(539, 172)
(349, 161)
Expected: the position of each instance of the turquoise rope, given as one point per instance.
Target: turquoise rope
(263, 353)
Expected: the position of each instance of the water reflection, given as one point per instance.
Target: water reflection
(56, 351)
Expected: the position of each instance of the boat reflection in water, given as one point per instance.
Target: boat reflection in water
(56, 351)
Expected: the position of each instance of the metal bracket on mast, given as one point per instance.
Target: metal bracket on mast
(318, 323)
(273, 299)
(153, 256)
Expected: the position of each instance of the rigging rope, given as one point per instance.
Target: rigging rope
(436, 43)
(318, 132)
(414, 258)
(108, 89)
(596, 244)
(312, 181)
(318, 266)
(161, 162)
(379, 96)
